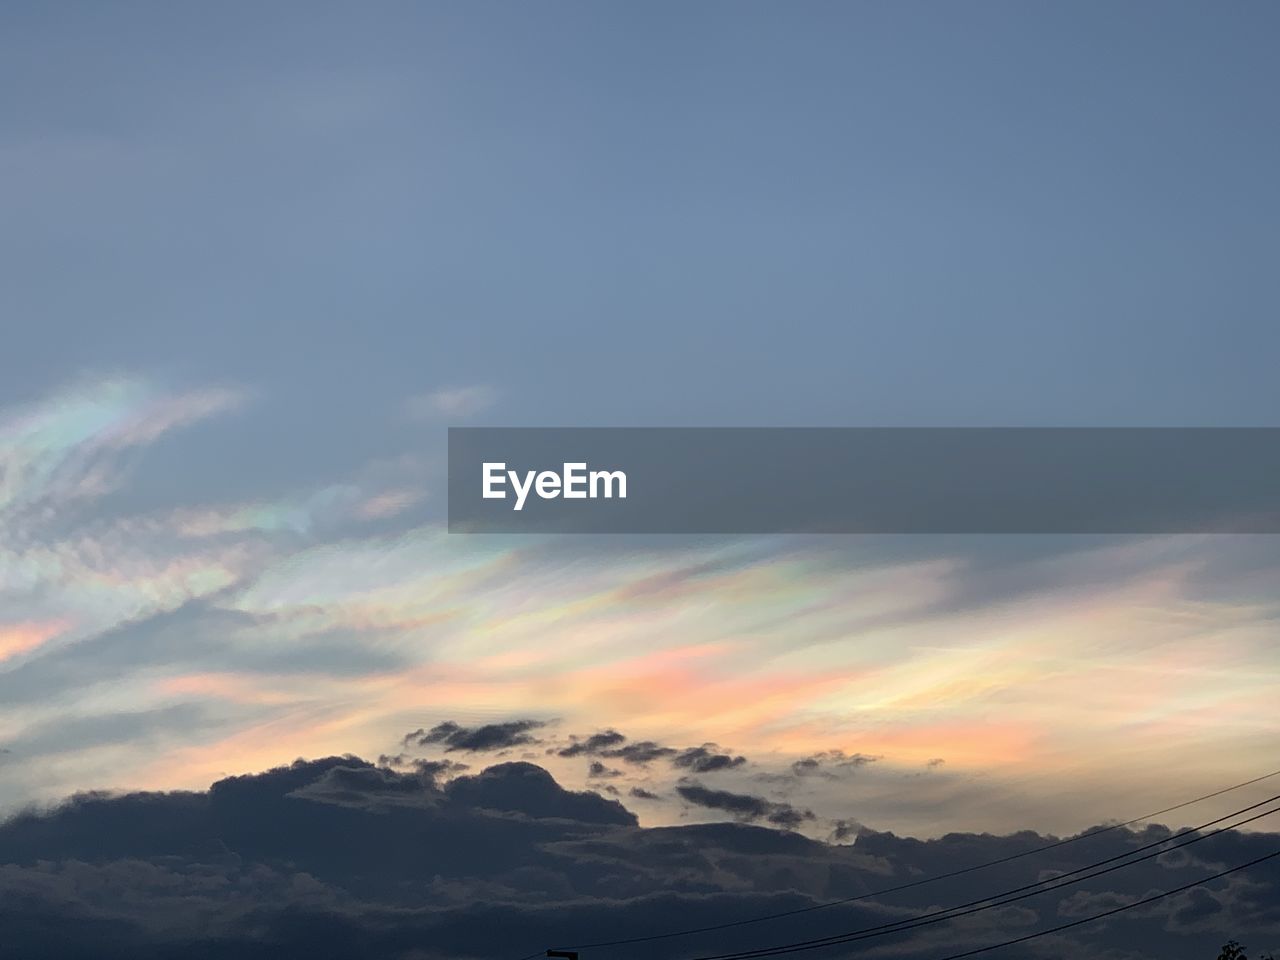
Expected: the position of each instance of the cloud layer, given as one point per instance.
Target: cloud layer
(165, 635)
(341, 858)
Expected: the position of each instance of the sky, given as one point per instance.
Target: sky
(255, 259)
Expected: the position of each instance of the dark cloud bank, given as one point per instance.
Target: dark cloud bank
(339, 858)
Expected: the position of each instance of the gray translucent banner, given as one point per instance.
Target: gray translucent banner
(864, 480)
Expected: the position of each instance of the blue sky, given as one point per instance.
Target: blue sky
(711, 213)
(256, 257)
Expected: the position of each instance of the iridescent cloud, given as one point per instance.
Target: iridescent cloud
(332, 619)
(20, 638)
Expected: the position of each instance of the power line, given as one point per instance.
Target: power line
(1113, 911)
(995, 900)
(648, 938)
(1008, 896)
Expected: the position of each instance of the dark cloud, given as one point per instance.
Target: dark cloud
(599, 771)
(491, 736)
(439, 769)
(744, 806)
(339, 858)
(640, 793)
(365, 787)
(640, 753)
(1084, 904)
(842, 830)
(787, 816)
(706, 759)
(829, 761)
(1195, 907)
(593, 744)
(610, 744)
(935, 763)
(432, 769)
(528, 789)
(613, 745)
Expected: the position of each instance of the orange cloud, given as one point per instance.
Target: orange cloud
(19, 638)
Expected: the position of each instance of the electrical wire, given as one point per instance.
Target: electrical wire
(1113, 911)
(999, 899)
(648, 938)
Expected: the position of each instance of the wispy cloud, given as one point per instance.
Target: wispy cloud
(333, 618)
(20, 638)
(69, 447)
(452, 402)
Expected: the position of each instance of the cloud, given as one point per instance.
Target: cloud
(318, 601)
(743, 806)
(640, 752)
(826, 762)
(389, 503)
(434, 770)
(1196, 907)
(598, 771)
(842, 830)
(70, 733)
(530, 790)
(593, 744)
(491, 736)
(438, 769)
(19, 638)
(706, 759)
(72, 447)
(1085, 904)
(613, 745)
(337, 857)
(453, 402)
